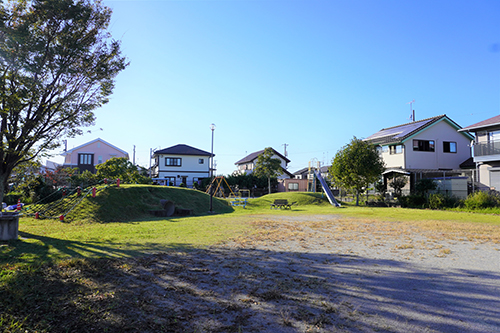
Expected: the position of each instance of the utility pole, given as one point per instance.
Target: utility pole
(133, 159)
(150, 154)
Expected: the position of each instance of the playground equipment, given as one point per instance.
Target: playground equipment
(315, 173)
(217, 182)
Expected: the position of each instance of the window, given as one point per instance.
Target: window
(201, 161)
(449, 147)
(494, 136)
(99, 159)
(293, 186)
(86, 159)
(423, 145)
(397, 149)
(170, 181)
(170, 161)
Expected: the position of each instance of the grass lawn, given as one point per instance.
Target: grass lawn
(53, 262)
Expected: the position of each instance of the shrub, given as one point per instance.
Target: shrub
(437, 201)
(413, 201)
(480, 200)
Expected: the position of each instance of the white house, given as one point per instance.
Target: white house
(180, 164)
(247, 164)
(428, 148)
(487, 151)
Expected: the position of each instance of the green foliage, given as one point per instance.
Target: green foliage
(58, 65)
(381, 189)
(413, 201)
(120, 167)
(481, 200)
(257, 185)
(356, 165)
(437, 201)
(267, 166)
(397, 183)
(423, 186)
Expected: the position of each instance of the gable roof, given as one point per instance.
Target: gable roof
(253, 156)
(401, 133)
(91, 142)
(493, 121)
(182, 149)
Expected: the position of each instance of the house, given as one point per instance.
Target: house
(247, 164)
(90, 154)
(180, 164)
(486, 151)
(428, 148)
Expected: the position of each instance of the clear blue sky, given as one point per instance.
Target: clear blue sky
(307, 73)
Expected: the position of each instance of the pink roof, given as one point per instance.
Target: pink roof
(482, 124)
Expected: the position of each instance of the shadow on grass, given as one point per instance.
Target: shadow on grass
(225, 290)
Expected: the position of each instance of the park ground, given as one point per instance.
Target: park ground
(315, 268)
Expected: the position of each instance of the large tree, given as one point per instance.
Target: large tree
(268, 166)
(356, 165)
(57, 65)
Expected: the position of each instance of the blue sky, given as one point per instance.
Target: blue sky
(307, 73)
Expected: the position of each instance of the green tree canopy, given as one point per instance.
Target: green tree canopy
(356, 165)
(57, 64)
(120, 167)
(267, 166)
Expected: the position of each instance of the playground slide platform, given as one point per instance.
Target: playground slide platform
(327, 190)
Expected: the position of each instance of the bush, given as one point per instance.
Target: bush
(480, 200)
(437, 201)
(413, 201)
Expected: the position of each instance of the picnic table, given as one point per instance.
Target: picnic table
(282, 204)
(239, 202)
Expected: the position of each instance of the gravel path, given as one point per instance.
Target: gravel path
(325, 274)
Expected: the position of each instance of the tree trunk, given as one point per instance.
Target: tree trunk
(3, 179)
(357, 198)
(269, 184)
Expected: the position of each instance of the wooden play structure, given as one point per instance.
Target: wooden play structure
(218, 183)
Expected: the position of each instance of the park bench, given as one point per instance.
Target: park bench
(282, 204)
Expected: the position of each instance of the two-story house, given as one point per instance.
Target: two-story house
(180, 164)
(247, 164)
(487, 151)
(88, 155)
(427, 148)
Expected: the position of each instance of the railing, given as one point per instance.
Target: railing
(487, 148)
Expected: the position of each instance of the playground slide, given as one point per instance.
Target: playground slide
(327, 190)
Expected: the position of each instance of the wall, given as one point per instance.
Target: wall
(440, 132)
(190, 168)
(98, 148)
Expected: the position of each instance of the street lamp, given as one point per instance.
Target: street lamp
(212, 127)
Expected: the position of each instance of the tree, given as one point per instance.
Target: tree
(57, 65)
(120, 167)
(267, 166)
(356, 165)
(397, 183)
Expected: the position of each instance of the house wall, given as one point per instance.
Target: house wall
(438, 159)
(250, 166)
(190, 168)
(301, 185)
(394, 160)
(98, 148)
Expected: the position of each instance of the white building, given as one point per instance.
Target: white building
(180, 164)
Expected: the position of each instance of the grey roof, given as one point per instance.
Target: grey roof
(493, 121)
(400, 133)
(182, 149)
(253, 156)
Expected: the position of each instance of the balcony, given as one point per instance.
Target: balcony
(484, 150)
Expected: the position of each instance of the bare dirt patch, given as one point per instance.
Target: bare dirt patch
(298, 274)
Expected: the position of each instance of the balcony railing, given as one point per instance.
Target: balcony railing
(487, 148)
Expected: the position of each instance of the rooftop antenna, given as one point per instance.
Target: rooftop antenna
(285, 144)
(412, 115)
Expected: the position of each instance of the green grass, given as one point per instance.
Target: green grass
(52, 255)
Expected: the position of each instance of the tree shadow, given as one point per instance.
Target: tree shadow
(229, 290)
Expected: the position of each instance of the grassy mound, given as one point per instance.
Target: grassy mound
(133, 202)
(301, 199)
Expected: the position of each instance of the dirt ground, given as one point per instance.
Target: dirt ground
(305, 274)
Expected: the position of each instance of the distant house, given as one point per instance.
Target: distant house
(247, 164)
(487, 151)
(90, 154)
(180, 164)
(428, 148)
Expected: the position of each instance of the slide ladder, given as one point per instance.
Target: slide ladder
(327, 190)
